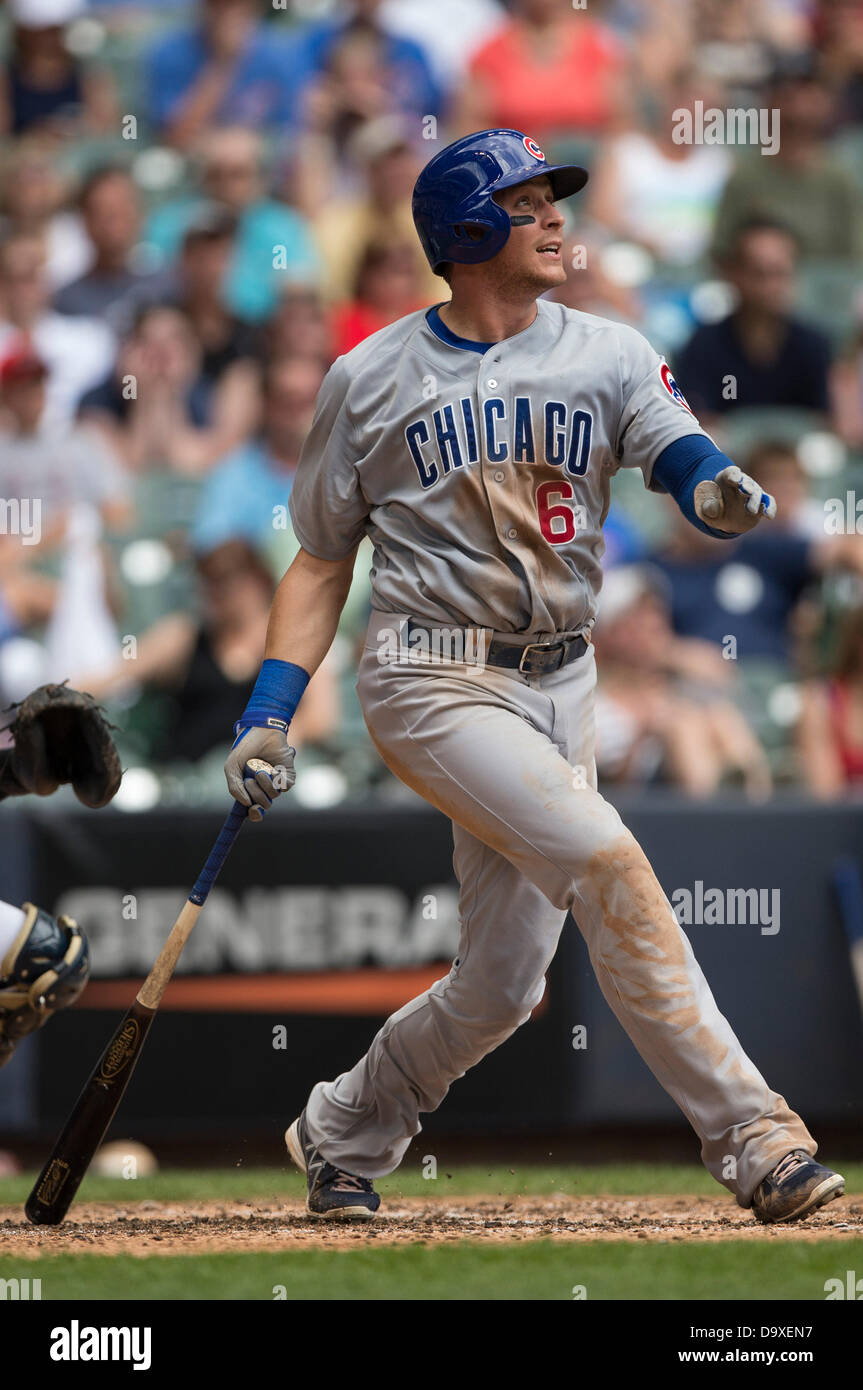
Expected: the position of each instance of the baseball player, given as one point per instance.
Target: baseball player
(58, 736)
(475, 443)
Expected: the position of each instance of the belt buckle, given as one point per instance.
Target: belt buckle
(541, 647)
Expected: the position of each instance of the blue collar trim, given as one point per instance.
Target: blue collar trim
(440, 330)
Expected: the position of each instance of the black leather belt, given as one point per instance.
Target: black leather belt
(532, 659)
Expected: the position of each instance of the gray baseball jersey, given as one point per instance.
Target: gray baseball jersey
(482, 476)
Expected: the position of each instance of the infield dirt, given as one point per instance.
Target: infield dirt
(163, 1228)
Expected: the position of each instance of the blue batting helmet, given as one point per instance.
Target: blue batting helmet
(455, 192)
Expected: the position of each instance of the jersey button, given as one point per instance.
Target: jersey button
(491, 383)
(512, 534)
(499, 475)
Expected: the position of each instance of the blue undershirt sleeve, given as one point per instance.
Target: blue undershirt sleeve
(681, 466)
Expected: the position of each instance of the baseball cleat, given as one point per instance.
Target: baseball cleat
(332, 1191)
(45, 969)
(796, 1187)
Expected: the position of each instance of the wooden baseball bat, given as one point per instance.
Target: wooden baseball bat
(55, 1188)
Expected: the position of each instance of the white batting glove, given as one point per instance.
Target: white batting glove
(259, 767)
(732, 502)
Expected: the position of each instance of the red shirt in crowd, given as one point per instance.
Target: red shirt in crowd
(570, 90)
(356, 321)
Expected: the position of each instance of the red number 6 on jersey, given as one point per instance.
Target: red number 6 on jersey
(556, 517)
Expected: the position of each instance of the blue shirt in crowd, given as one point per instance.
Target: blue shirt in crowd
(411, 82)
(797, 377)
(749, 591)
(261, 94)
(254, 284)
(239, 499)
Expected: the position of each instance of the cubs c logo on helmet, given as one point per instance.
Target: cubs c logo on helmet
(533, 148)
(673, 389)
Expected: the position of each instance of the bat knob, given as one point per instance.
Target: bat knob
(256, 765)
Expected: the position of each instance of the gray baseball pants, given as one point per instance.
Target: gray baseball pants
(509, 758)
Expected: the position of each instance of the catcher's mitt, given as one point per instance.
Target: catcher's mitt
(61, 736)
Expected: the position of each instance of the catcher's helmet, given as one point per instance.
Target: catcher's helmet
(455, 191)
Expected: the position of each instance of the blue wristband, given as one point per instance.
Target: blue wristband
(273, 703)
(681, 466)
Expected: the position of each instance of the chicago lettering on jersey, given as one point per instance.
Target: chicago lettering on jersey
(461, 432)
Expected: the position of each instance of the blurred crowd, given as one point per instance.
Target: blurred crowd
(202, 205)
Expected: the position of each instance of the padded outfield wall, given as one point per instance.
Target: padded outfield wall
(325, 922)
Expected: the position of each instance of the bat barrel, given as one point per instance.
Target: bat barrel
(55, 1188)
